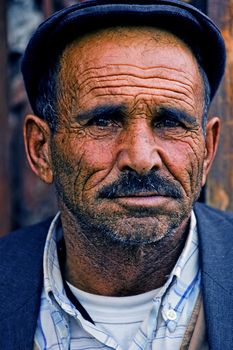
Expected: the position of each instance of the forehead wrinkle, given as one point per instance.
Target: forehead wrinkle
(105, 44)
(131, 70)
(97, 66)
(108, 81)
(115, 67)
(141, 107)
(116, 90)
(119, 83)
(148, 82)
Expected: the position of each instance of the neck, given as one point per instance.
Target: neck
(119, 270)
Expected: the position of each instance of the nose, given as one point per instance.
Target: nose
(139, 150)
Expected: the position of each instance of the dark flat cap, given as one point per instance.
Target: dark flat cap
(182, 19)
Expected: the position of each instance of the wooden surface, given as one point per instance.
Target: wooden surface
(5, 197)
(220, 181)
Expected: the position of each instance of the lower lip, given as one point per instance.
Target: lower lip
(149, 201)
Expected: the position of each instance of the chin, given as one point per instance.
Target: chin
(136, 227)
(135, 231)
(128, 231)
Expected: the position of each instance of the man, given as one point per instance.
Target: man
(120, 92)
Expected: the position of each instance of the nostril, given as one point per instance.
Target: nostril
(139, 162)
(127, 168)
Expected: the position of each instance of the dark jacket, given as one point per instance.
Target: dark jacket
(21, 273)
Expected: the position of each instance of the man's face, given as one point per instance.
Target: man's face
(129, 150)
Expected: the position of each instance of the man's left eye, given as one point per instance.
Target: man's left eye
(168, 123)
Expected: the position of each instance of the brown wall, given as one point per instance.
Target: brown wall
(220, 182)
(24, 199)
(4, 132)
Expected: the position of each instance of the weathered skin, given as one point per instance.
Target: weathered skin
(129, 243)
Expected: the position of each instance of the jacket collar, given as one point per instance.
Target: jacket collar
(215, 230)
(21, 284)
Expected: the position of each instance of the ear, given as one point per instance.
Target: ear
(211, 145)
(37, 137)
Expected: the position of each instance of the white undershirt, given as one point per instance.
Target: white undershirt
(112, 314)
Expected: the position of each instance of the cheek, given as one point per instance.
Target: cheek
(185, 161)
(86, 161)
(97, 164)
(97, 155)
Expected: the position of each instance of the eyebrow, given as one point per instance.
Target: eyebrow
(119, 111)
(176, 114)
(104, 111)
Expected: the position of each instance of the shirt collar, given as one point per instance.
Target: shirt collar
(53, 283)
(184, 277)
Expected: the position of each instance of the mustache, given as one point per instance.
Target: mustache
(131, 184)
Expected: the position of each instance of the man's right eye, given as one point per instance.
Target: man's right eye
(102, 126)
(102, 122)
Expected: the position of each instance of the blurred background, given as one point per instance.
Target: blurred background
(24, 199)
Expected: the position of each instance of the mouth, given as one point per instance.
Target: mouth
(143, 200)
(140, 194)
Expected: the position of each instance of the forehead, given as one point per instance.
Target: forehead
(153, 55)
(143, 41)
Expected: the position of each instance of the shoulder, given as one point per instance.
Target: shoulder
(207, 214)
(21, 251)
(30, 237)
(21, 267)
(215, 231)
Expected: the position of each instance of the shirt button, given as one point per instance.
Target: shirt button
(171, 315)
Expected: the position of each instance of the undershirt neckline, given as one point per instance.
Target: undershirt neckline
(115, 309)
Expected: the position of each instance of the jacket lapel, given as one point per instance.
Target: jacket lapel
(216, 253)
(21, 272)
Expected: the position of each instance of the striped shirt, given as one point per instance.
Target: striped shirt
(61, 326)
